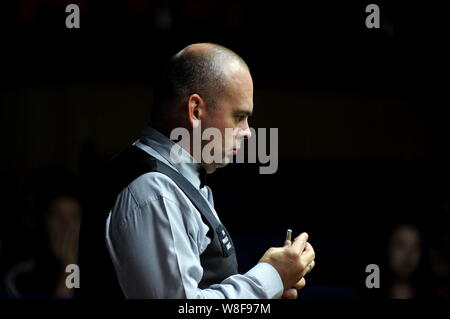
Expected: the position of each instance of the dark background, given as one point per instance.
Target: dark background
(362, 116)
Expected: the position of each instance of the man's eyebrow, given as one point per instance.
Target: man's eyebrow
(246, 113)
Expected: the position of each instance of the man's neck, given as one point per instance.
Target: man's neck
(161, 129)
(164, 130)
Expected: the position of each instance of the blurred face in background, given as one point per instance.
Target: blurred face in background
(404, 251)
(63, 227)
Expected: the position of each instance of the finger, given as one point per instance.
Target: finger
(308, 248)
(300, 284)
(290, 293)
(309, 253)
(307, 258)
(310, 267)
(287, 243)
(300, 242)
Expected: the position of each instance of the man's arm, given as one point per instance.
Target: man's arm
(155, 246)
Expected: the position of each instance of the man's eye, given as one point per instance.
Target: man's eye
(240, 118)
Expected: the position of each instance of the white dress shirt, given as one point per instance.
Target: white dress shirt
(155, 236)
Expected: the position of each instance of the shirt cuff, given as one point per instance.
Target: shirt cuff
(269, 278)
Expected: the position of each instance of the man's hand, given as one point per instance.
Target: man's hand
(293, 262)
(292, 293)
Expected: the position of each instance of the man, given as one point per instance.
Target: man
(166, 241)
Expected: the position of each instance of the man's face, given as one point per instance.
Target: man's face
(230, 115)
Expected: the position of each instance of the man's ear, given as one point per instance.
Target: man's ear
(196, 109)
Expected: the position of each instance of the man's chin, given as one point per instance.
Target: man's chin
(221, 164)
(217, 165)
(211, 167)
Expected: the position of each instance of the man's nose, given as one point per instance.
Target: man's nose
(245, 132)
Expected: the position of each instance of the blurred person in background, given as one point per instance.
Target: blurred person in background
(406, 277)
(52, 225)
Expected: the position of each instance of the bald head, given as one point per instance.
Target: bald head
(201, 68)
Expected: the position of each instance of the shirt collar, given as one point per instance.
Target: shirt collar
(182, 160)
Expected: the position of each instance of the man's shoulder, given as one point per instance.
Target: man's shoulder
(153, 186)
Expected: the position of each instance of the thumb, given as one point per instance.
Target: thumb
(290, 294)
(287, 243)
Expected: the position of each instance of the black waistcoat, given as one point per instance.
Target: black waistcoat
(97, 274)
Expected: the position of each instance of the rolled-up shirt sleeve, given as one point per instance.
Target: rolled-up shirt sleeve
(155, 245)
